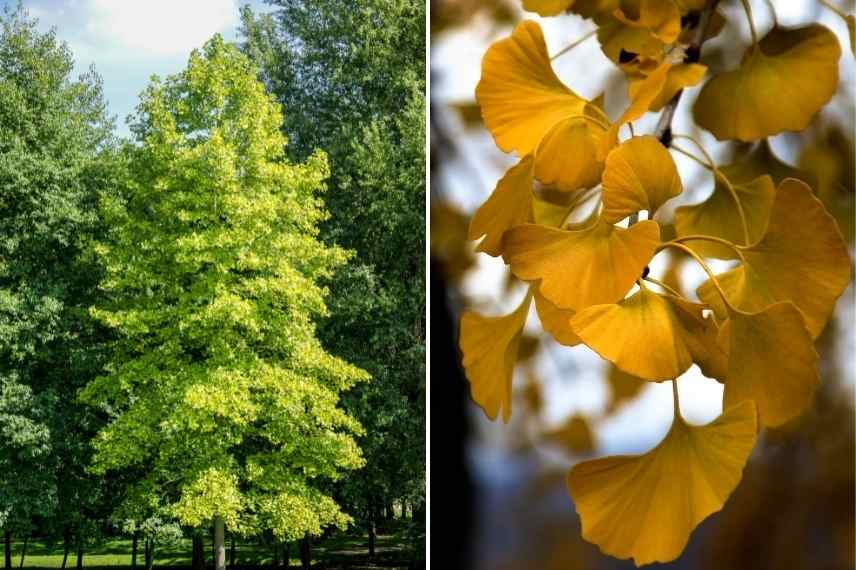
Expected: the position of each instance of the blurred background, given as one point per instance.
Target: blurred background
(498, 498)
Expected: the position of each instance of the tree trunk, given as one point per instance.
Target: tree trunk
(24, 551)
(231, 550)
(286, 552)
(198, 561)
(134, 552)
(8, 550)
(79, 556)
(219, 544)
(305, 553)
(275, 553)
(372, 530)
(150, 553)
(65, 547)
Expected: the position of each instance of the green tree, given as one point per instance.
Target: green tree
(354, 76)
(54, 137)
(218, 388)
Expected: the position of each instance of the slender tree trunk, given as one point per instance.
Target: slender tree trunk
(65, 547)
(231, 550)
(198, 562)
(8, 549)
(79, 556)
(24, 551)
(150, 553)
(286, 552)
(275, 553)
(372, 530)
(219, 544)
(134, 552)
(305, 553)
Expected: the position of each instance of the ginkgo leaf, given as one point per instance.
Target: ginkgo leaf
(645, 506)
(771, 361)
(779, 86)
(762, 160)
(634, 49)
(564, 170)
(592, 8)
(520, 96)
(680, 76)
(623, 333)
(574, 435)
(801, 258)
(642, 94)
(718, 216)
(640, 174)
(547, 7)
(549, 214)
(556, 321)
(510, 205)
(661, 17)
(579, 268)
(490, 346)
(622, 387)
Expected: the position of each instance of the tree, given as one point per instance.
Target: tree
(355, 78)
(54, 137)
(218, 389)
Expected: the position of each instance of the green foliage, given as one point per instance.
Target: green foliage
(218, 391)
(352, 81)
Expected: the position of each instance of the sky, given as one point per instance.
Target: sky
(130, 40)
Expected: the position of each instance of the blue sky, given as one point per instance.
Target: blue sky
(130, 40)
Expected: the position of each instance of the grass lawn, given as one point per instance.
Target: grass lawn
(339, 551)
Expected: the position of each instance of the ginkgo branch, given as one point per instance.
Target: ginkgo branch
(706, 269)
(693, 157)
(665, 287)
(675, 399)
(572, 45)
(713, 239)
(748, 9)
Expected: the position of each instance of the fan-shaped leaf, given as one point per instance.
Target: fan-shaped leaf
(510, 205)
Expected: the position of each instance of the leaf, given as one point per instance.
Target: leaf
(519, 94)
(555, 321)
(578, 268)
(680, 76)
(762, 160)
(779, 86)
(642, 94)
(490, 346)
(624, 334)
(547, 7)
(640, 174)
(568, 171)
(771, 360)
(718, 216)
(634, 49)
(510, 205)
(645, 506)
(801, 258)
(574, 435)
(622, 387)
(660, 17)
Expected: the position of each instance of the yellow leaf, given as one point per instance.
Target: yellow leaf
(645, 506)
(574, 435)
(762, 160)
(547, 213)
(679, 77)
(633, 49)
(771, 360)
(555, 321)
(642, 94)
(802, 258)
(490, 346)
(661, 17)
(519, 94)
(547, 7)
(780, 85)
(568, 171)
(510, 205)
(640, 174)
(622, 387)
(624, 334)
(592, 8)
(718, 216)
(578, 268)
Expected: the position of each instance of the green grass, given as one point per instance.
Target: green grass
(338, 551)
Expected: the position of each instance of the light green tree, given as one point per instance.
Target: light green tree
(218, 389)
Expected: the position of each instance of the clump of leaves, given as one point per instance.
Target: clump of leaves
(752, 327)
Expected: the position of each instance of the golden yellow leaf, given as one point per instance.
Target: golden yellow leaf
(489, 346)
(547, 7)
(801, 258)
(574, 435)
(779, 86)
(622, 387)
(625, 333)
(555, 321)
(519, 94)
(762, 160)
(635, 50)
(592, 8)
(642, 94)
(510, 205)
(547, 213)
(661, 17)
(771, 360)
(578, 268)
(718, 216)
(680, 76)
(645, 506)
(640, 174)
(568, 171)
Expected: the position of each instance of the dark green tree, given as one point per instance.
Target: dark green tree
(351, 76)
